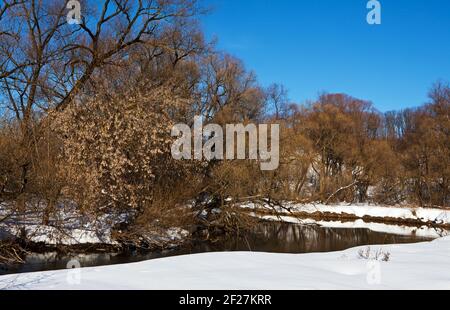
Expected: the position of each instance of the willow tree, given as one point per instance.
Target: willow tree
(45, 63)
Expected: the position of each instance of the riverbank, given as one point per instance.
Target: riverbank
(435, 218)
(70, 232)
(410, 266)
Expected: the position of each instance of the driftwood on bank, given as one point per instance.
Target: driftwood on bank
(11, 253)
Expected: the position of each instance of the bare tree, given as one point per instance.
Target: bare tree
(45, 62)
(278, 101)
(228, 92)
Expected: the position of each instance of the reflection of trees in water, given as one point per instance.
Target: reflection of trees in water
(290, 238)
(268, 237)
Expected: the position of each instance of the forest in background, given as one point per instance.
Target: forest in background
(87, 110)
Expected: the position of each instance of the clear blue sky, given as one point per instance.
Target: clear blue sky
(326, 45)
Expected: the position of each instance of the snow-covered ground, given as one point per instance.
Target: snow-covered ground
(423, 231)
(68, 227)
(424, 222)
(411, 266)
(424, 215)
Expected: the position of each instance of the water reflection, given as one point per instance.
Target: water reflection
(268, 237)
(290, 238)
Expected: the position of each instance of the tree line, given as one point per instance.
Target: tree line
(87, 111)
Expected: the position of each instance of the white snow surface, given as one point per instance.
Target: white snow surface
(424, 231)
(73, 229)
(425, 215)
(411, 266)
(68, 227)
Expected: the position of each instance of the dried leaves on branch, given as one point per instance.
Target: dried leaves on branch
(86, 115)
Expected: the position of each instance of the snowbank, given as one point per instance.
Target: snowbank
(423, 231)
(68, 227)
(423, 215)
(412, 266)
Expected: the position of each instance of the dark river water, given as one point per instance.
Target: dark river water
(268, 237)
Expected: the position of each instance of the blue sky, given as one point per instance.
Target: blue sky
(326, 45)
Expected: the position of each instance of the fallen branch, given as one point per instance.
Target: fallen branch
(11, 253)
(340, 190)
(6, 217)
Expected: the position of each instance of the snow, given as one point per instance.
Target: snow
(411, 266)
(424, 231)
(53, 236)
(68, 227)
(424, 215)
